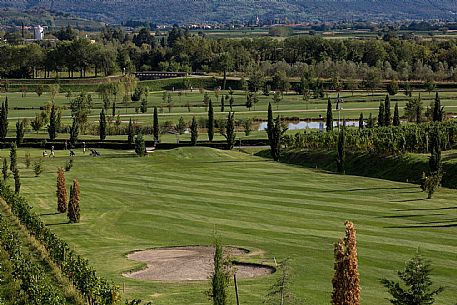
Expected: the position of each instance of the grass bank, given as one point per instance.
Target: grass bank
(403, 168)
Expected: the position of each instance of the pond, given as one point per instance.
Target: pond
(309, 125)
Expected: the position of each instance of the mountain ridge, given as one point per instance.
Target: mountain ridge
(197, 11)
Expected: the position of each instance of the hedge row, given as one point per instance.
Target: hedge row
(96, 290)
(35, 287)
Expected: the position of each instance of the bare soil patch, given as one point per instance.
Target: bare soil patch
(194, 263)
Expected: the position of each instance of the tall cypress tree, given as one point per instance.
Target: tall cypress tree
(210, 121)
(269, 122)
(438, 111)
(114, 109)
(19, 132)
(381, 120)
(61, 191)
(387, 115)
(4, 120)
(329, 126)
(52, 124)
(277, 132)
(370, 121)
(219, 278)
(73, 211)
(13, 157)
(17, 181)
(5, 169)
(155, 125)
(361, 120)
(396, 121)
(222, 103)
(341, 153)
(102, 125)
(74, 131)
(346, 281)
(432, 182)
(130, 133)
(194, 131)
(230, 130)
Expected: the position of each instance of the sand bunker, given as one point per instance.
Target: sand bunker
(189, 264)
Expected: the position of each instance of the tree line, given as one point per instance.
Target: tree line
(311, 56)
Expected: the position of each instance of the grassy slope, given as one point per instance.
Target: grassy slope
(178, 197)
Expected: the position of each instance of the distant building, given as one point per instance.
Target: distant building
(38, 32)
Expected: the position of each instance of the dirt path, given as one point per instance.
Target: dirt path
(189, 264)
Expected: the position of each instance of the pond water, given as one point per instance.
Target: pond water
(309, 125)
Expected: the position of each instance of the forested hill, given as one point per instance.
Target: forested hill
(186, 11)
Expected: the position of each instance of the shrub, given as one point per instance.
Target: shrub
(38, 167)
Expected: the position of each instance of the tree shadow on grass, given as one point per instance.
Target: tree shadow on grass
(369, 189)
(423, 226)
(49, 214)
(425, 209)
(407, 216)
(57, 223)
(408, 200)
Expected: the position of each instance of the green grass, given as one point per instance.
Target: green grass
(179, 197)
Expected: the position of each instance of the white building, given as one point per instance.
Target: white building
(38, 32)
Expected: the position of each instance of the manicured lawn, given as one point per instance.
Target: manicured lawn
(180, 197)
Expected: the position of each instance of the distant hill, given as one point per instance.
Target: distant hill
(187, 11)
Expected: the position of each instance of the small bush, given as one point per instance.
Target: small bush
(27, 160)
(38, 167)
(68, 164)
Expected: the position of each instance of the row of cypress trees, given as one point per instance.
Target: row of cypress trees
(72, 208)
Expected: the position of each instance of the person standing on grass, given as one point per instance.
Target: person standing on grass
(66, 145)
(52, 152)
(84, 147)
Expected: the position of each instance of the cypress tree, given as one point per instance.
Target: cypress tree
(210, 121)
(114, 109)
(4, 120)
(346, 281)
(222, 103)
(396, 121)
(73, 211)
(269, 122)
(381, 120)
(230, 130)
(5, 169)
(361, 120)
(61, 191)
(155, 126)
(74, 132)
(337, 281)
(130, 133)
(370, 122)
(52, 124)
(387, 115)
(432, 182)
(194, 131)
(17, 181)
(140, 146)
(219, 278)
(19, 132)
(329, 125)
(438, 111)
(341, 154)
(13, 157)
(102, 126)
(276, 137)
